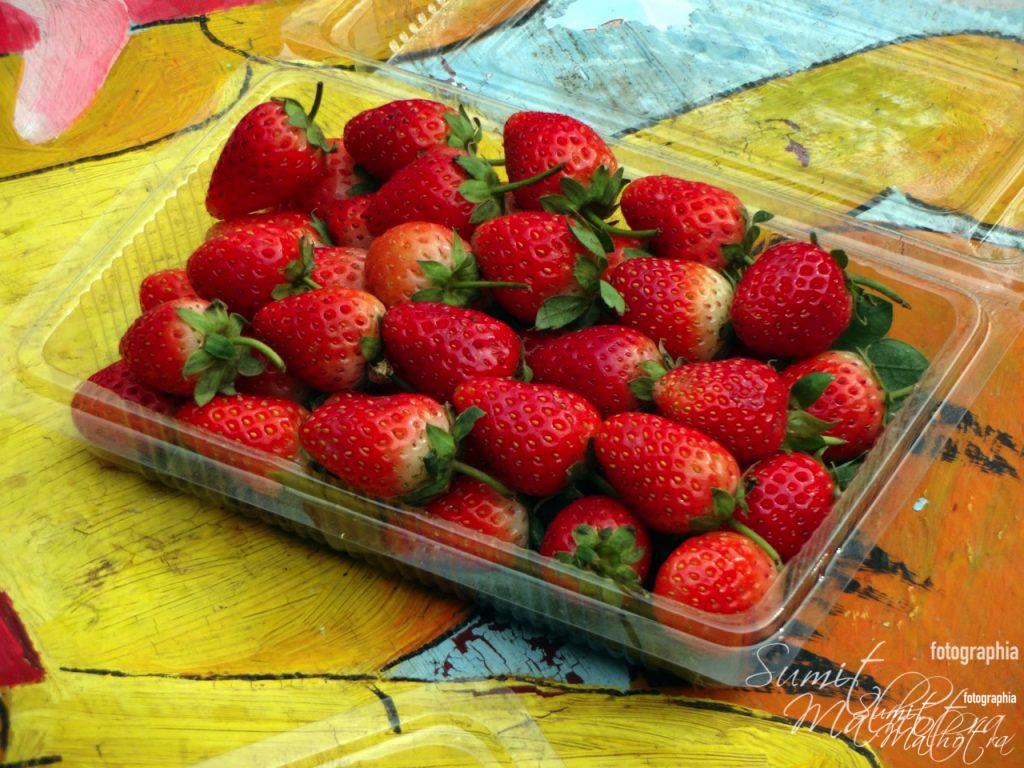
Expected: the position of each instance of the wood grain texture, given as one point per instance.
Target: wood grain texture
(165, 624)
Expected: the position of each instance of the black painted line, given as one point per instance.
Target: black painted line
(204, 25)
(167, 22)
(389, 707)
(245, 676)
(44, 760)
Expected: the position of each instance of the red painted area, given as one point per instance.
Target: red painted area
(17, 30)
(19, 662)
(146, 11)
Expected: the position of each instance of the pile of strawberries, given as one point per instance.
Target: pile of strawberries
(676, 393)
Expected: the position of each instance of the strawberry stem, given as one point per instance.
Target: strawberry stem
(739, 527)
(483, 477)
(494, 160)
(316, 101)
(600, 223)
(896, 394)
(259, 346)
(885, 290)
(514, 185)
(310, 283)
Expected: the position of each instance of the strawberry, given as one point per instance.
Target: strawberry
(274, 151)
(385, 139)
(853, 402)
(531, 435)
(264, 424)
(295, 224)
(329, 266)
(424, 261)
(347, 220)
(560, 262)
(114, 395)
(435, 347)
(598, 534)
(191, 347)
(445, 186)
(165, 285)
(478, 507)
(536, 141)
(742, 403)
(787, 496)
(717, 572)
(598, 362)
(324, 336)
(792, 301)
(694, 220)
(682, 305)
(389, 447)
(664, 471)
(339, 175)
(243, 267)
(282, 385)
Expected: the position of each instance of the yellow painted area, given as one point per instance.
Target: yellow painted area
(316, 722)
(940, 118)
(108, 571)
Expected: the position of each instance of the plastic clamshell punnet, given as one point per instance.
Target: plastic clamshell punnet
(963, 320)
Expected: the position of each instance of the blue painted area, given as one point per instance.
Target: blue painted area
(895, 208)
(920, 504)
(622, 63)
(486, 647)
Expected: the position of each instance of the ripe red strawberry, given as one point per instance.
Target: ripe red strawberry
(664, 471)
(191, 347)
(394, 272)
(435, 347)
(598, 363)
(265, 424)
(854, 400)
(530, 434)
(681, 305)
(599, 534)
(539, 250)
(348, 222)
(792, 302)
(694, 220)
(275, 383)
(165, 285)
(536, 141)
(336, 179)
(274, 151)
(295, 224)
(322, 335)
(787, 497)
(113, 395)
(717, 572)
(478, 507)
(385, 139)
(243, 267)
(377, 446)
(337, 266)
(741, 403)
(427, 189)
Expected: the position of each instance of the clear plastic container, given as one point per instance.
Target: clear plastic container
(965, 316)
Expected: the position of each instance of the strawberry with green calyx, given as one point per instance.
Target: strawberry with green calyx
(598, 534)
(422, 261)
(192, 347)
(740, 402)
(275, 151)
(444, 186)
(863, 389)
(385, 139)
(296, 224)
(324, 267)
(476, 506)
(593, 203)
(694, 220)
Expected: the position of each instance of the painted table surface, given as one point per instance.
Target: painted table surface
(143, 627)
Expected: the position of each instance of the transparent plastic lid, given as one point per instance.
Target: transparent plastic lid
(909, 115)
